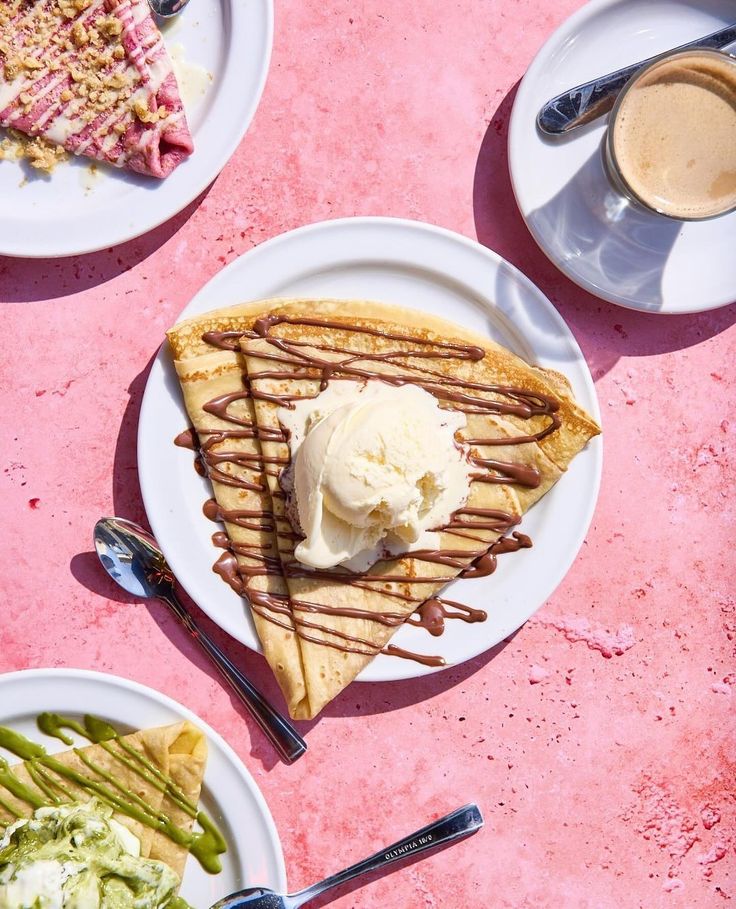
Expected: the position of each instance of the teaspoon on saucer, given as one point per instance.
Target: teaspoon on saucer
(452, 827)
(132, 558)
(593, 99)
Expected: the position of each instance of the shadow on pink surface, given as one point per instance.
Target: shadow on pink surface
(29, 280)
(605, 332)
(365, 699)
(86, 569)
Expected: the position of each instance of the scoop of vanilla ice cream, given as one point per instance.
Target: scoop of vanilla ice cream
(376, 469)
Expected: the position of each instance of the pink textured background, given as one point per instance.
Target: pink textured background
(599, 740)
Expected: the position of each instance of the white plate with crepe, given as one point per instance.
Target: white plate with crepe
(221, 51)
(619, 253)
(417, 266)
(229, 794)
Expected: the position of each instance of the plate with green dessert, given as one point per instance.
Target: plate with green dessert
(115, 796)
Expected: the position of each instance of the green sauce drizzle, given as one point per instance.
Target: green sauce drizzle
(41, 779)
(6, 806)
(170, 786)
(46, 773)
(101, 733)
(9, 781)
(51, 724)
(98, 730)
(50, 781)
(208, 844)
(19, 745)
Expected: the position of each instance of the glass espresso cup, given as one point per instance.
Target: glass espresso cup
(671, 141)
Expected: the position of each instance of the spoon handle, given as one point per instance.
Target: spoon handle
(591, 100)
(287, 741)
(455, 826)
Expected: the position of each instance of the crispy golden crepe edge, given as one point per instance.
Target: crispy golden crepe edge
(194, 360)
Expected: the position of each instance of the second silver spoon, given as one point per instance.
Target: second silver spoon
(446, 830)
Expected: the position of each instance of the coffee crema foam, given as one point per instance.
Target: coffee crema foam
(674, 136)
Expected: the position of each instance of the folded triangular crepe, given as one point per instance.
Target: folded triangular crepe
(320, 628)
(94, 77)
(344, 620)
(177, 751)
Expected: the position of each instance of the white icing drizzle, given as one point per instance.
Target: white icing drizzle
(50, 86)
(28, 83)
(104, 129)
(66, 123)
(9, 91)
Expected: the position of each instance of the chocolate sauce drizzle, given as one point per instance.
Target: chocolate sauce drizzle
(240, 563)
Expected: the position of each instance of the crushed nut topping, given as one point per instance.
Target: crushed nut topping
(12, 70)
(141, 110)
(109, 26)
(39, 153)
(79, 34)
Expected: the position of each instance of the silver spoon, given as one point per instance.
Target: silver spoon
(455, 826)
(592, 99)
(131, 556)
(167, 9)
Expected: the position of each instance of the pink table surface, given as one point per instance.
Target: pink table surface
(598, 740)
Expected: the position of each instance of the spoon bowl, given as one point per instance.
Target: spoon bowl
(255, 898)
(131, 556)
(167, 9)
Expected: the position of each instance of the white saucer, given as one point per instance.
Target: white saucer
(409, 264)
(616, 252)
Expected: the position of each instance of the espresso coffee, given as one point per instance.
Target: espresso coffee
(673, 135)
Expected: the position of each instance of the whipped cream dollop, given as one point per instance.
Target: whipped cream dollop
(375, 470)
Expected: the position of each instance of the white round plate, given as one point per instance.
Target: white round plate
(76, 210)
(229, 794)
(615, 251)
(408, 264)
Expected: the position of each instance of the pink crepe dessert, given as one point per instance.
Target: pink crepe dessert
(94, 77)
